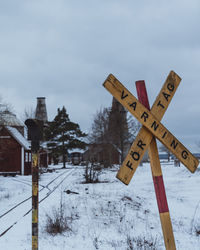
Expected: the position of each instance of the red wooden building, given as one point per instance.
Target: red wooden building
(15, 153)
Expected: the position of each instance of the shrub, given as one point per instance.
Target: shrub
(5, 196)
(141, 243)
(58, 221)
(197, 230)
(195, 223)
(92, 172)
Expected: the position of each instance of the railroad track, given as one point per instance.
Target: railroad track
(12, 211)
(28, 183)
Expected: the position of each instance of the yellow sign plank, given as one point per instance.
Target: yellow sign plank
(133, 158)
(166, 94)
(158, 109)
(151, 123)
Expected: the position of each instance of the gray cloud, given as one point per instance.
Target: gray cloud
(64, 50)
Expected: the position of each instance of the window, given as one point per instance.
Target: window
(29, 157)
(26, 157)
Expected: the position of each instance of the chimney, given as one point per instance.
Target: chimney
(41, 111)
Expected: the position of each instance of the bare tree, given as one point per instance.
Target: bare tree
(133, 126)
(99, 129)
(122, 128)
(4, 108)
(29, 113)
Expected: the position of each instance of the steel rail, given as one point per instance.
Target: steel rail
(47, 195)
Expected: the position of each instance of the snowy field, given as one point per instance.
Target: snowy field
(106, 215)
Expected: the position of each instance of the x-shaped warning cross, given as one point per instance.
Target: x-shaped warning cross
(151, 125)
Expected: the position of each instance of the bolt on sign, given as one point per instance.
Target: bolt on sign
(152, 128)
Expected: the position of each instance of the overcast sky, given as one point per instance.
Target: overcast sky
(64, 50)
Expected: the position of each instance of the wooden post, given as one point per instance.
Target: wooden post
(157, 178)
(35, 135)
(35, 200)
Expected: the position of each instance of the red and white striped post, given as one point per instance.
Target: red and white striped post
(158, 178)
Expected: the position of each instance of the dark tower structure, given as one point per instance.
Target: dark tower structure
(41, 111)
(118, 126)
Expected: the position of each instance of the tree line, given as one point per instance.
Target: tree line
(110, 125)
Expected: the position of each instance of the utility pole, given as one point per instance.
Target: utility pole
(35, 134)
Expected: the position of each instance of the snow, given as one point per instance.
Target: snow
(75, 150)
(104, 215)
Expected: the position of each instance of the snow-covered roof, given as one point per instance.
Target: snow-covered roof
(19, 137)
(76, 150)
(10, 119)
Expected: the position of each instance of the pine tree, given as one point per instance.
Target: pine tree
(62, 135)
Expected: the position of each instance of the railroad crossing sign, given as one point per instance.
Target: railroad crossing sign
(146, 138)
(151, 125)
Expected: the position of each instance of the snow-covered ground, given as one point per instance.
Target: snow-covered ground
(106, 215)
